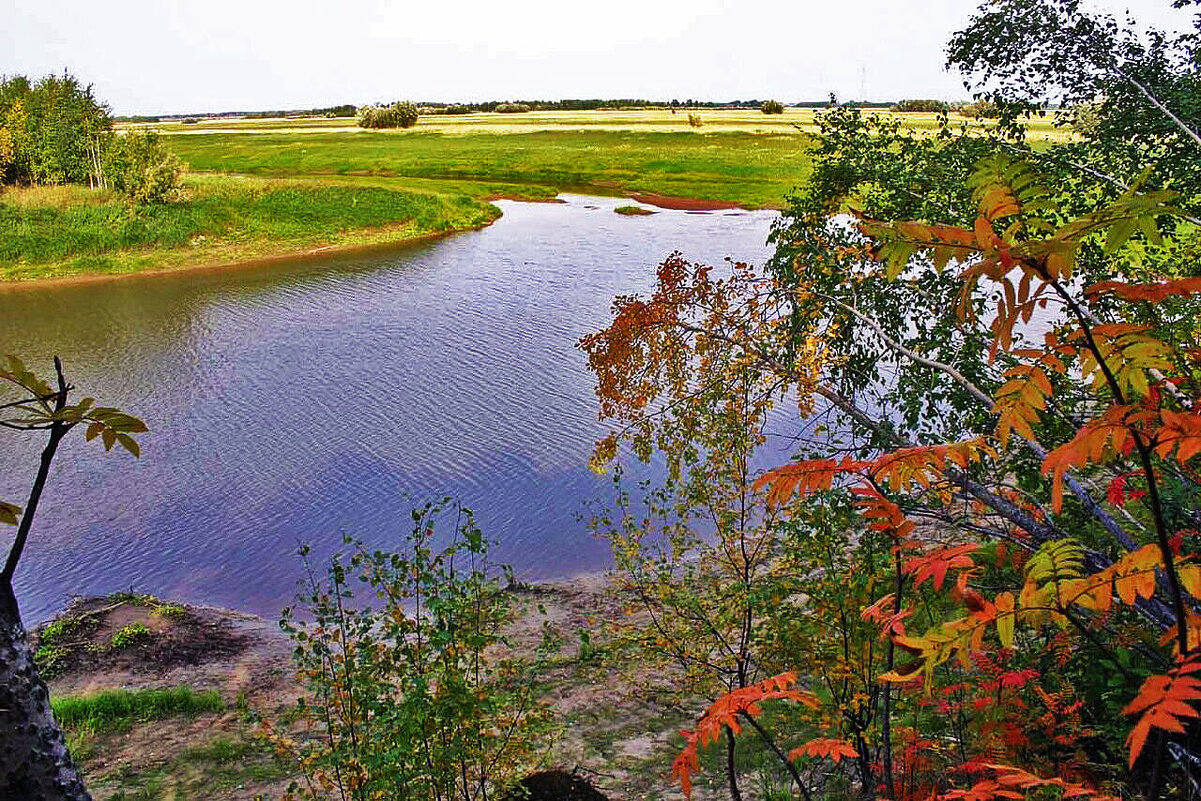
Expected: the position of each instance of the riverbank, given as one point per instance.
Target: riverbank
(69, 234)
(236, 669)
(66, 231)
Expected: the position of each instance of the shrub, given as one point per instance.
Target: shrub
(401, 701)
(130, 635)
(695, 120)
(397, 115)
(981, 108)
(139, 165)
(772, 107)
(511, 108)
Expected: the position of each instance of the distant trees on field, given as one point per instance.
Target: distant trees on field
(772, 107)
(921, 105)
(396, 115)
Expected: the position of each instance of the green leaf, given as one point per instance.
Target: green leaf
(129, 444)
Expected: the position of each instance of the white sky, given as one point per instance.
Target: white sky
(174, 56)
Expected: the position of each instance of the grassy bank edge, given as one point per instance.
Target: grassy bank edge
(248, 245)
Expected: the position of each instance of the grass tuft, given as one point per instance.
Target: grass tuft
(117, 710)
(633, 211)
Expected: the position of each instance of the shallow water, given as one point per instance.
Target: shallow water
(291, 403)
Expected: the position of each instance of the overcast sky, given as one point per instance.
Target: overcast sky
(164, 56)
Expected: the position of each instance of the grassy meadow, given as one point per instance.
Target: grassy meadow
(273, 187)
(53, 232)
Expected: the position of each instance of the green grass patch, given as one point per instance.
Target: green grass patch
(117, 710)
(633, 211)
(224, 219)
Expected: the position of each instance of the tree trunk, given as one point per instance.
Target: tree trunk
(34, 762)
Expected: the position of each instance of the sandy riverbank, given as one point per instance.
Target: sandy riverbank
(609, 727)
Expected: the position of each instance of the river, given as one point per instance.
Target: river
(290, 403)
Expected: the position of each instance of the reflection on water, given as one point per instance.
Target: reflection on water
(292, 403)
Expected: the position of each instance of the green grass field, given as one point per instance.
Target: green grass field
(747, 169)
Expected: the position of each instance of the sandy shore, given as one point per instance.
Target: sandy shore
(610, 726)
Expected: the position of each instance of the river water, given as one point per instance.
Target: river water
(293, 402)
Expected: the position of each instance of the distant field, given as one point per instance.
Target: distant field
(738, 156)
(646, 120)
(268, 187)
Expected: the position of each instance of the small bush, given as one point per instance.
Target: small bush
(128, 636)
(980, 109)
(695, 120)
(511, 108)
(170, 611)
(397, 115)
(420, 706)
(772, 107)
(139, 165)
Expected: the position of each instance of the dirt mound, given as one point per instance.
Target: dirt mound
(132, 633)
(555, 785)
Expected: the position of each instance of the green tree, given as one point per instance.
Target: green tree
(58, 129)
(34, 762)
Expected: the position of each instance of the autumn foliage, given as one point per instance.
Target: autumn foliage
(1064, 527)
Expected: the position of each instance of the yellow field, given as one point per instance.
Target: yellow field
(643, 120)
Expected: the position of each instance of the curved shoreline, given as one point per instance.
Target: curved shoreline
(292, 256)
(308, 254)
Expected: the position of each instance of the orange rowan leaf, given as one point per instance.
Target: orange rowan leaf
(882, 514)
(1020, 399)
(1013, 782)
(803, 478)
(1155, 292)
(920, 466)
(935, 564)
(824, 748)
(723, 714)
(1165, 702)
(1181, 431)
(1109, 432)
